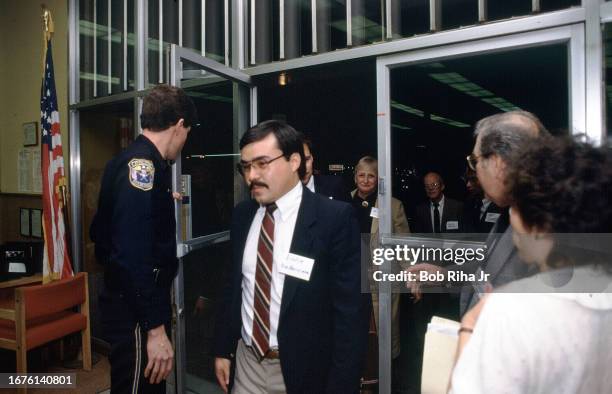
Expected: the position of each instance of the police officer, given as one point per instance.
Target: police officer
(134, 232)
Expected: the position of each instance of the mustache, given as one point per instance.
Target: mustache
(256, 183)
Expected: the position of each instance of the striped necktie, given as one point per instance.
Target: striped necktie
(263, 284)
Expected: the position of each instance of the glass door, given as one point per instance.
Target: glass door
(206, 176)
(428, 103)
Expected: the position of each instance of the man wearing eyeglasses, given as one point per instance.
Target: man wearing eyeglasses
(292, 317)
(499, 138)
(439, 214)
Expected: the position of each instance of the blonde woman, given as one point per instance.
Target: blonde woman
(365, 202)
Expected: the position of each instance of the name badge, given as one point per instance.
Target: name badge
(452, 225)
(374, 212)
(297, 266)
(492, 217)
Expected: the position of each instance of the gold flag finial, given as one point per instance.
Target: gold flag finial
(48, 27)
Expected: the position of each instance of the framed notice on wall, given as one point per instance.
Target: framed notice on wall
(30, 134)
(30, 222)
(24, 222)
(36, 223)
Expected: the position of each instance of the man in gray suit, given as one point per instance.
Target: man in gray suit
(498, 138)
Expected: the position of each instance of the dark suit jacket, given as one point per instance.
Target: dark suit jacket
(323, 323)
(453, 211)
(332, 187)
(503, 263)
(472, 221)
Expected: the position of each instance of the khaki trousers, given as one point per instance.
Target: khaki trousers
(253, 377)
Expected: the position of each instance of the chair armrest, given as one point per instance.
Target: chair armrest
(8, 314)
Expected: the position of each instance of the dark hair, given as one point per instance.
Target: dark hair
(470, 175)
(308, 142)
(165, 105)
(288, 139)
(563, 186)
(506, 133)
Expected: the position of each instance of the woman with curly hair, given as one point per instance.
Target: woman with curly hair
(550, 333)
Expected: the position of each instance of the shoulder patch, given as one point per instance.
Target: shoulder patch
(142, 173)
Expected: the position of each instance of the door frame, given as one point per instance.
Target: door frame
(573, 35)
(244, 116)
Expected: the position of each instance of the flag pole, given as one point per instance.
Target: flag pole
(64, 198)
(62, 192)
(55, 194)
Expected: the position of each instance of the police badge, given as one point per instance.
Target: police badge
(141, 173)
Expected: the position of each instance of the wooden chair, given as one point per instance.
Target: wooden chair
(44, 313)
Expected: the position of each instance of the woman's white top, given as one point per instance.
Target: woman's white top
(541, 342)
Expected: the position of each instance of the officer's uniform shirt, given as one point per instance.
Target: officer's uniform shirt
(135, 220)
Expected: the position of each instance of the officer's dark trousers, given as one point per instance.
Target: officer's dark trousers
(128, 357)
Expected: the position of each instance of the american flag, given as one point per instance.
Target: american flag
(56, 260)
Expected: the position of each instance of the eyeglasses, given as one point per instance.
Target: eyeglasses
(472, 161)
(432, 185)
(260, 164)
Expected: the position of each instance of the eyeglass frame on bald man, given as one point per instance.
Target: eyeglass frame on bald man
(434, 185)
(472, 160)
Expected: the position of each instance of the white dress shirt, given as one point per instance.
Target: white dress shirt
(310, 185)
(285, 217)
(440, 209)
(485, 205)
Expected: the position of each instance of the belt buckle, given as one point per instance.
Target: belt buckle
(272, 354)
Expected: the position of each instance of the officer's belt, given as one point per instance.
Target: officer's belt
(163, 277)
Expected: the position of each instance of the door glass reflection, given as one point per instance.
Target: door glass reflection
(607, 41)
(208, 158)
(105, 131)
(434, 107)
(203, 272)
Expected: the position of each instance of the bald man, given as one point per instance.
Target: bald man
(499, 139)
(439, 214)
